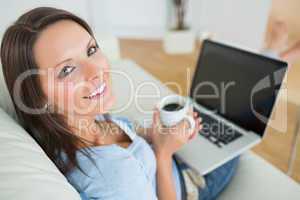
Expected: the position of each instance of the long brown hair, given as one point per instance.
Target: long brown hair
(49, 129)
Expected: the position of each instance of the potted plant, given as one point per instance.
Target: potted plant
(179, 38)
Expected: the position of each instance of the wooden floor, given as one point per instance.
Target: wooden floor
(178, 69)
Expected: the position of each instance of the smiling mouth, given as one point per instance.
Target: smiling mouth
(97, 92)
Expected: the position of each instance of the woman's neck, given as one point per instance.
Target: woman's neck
(97, 132)
(85, 127)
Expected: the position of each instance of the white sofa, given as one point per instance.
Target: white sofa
(27, 173)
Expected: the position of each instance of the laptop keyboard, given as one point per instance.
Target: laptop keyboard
(217, 132)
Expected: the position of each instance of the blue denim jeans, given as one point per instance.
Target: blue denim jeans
(83, 196)
(217, 180)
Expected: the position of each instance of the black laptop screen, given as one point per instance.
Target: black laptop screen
(238, 85)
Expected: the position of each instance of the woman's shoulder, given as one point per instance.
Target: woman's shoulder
(114, 178)
(117, 170)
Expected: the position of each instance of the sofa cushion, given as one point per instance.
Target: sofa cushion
(5, 100)
(25, 171)
(257, 179)
(137, 91)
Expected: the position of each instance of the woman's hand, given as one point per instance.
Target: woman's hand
(144, 133)
(167, 140)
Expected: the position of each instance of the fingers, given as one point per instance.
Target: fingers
(197, 119)
(156, 119)
(185, 123)
(198, 127)
(195, 114)
(191, 111)
(157, 128)
(193, 135)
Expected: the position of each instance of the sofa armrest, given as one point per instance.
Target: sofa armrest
(257, 179)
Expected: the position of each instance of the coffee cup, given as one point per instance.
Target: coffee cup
(173, 109)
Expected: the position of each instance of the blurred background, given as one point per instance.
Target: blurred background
(143, 31)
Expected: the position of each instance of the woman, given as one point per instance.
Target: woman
(59, 82)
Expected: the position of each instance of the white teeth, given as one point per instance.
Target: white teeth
(99, 90)
(102, 87)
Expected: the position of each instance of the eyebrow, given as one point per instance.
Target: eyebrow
(68, 59)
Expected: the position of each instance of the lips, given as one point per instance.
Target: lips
(97, 92)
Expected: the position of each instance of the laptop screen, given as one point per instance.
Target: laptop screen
(238, 85)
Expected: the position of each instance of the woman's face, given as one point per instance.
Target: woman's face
(74, 73)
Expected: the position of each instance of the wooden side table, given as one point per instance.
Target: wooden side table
(293, 97)
(295, 142)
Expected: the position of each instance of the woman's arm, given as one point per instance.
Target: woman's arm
(165, 182)
(166, 141)
(144, 133)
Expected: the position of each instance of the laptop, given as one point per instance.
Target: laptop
(234, 91)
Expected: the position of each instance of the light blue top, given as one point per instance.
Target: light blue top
(123, 173)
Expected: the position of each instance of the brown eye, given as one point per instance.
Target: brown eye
(92, 50)
(66, 71)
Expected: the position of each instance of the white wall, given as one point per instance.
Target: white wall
(232, 20)
(242, 22)
(133, 18)
(11, 9)
(136, 15)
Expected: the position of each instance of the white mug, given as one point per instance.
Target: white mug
(169, 115)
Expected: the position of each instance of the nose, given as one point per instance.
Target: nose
(90, 71)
